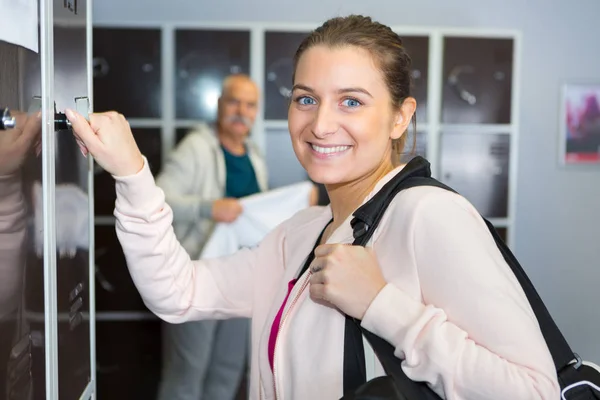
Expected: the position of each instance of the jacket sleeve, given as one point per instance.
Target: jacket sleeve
(174, 179)
(473, 335)
(172, 286)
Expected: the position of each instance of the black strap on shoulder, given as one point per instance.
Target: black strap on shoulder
(367, 217)
(311, 255)
(418, 173)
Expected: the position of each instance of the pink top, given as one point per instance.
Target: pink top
(452, 309)
(277, 321)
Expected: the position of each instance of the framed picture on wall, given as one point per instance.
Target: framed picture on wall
(580, 124)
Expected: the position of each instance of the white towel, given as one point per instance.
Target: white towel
(262, 212)
(20, 23)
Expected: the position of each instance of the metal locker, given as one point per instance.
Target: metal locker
(46, 210)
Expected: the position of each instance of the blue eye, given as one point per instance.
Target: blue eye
(351, 103)
(305, 101)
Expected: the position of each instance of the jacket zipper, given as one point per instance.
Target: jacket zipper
(304, 285)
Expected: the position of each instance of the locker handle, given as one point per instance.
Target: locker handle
(61, 123)
(7, 121)
(82, 106)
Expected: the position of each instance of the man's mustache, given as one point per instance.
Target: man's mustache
(239, 118)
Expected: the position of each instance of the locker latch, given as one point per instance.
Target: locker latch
(61, 123)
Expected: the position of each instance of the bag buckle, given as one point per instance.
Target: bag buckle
(578, 384)
(359, 227)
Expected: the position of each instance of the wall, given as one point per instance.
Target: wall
(558, 218)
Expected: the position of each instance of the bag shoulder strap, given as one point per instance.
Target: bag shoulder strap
(418, 173)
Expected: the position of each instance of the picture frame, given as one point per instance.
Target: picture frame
(579, 130)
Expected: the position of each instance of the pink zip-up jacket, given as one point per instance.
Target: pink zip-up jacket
(452, 308)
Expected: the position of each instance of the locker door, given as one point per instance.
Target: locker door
(45, 335)
(72, 203)
(22, 316)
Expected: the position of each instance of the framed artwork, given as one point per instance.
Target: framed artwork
(580, 124)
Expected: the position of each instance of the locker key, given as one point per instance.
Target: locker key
(7, 121)
(82, 106)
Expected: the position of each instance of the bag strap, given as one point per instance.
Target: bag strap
(311, 255)
(418, 173)
(366, 219)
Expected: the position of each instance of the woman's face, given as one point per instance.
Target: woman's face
(341, 120)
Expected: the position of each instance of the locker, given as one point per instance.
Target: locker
(279, 66)
(203, 58)
(46, 237)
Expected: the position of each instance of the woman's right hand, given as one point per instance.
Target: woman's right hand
(108, 138)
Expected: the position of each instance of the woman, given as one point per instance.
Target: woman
(433, 284)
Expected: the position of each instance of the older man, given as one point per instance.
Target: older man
(203, 178)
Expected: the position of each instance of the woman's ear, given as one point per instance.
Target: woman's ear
(403, 117)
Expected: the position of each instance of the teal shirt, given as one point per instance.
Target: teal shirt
(241, 179)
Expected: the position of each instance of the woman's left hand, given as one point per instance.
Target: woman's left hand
(345, 276)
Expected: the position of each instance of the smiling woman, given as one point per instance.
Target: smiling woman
(431, 281)
(343, 119)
